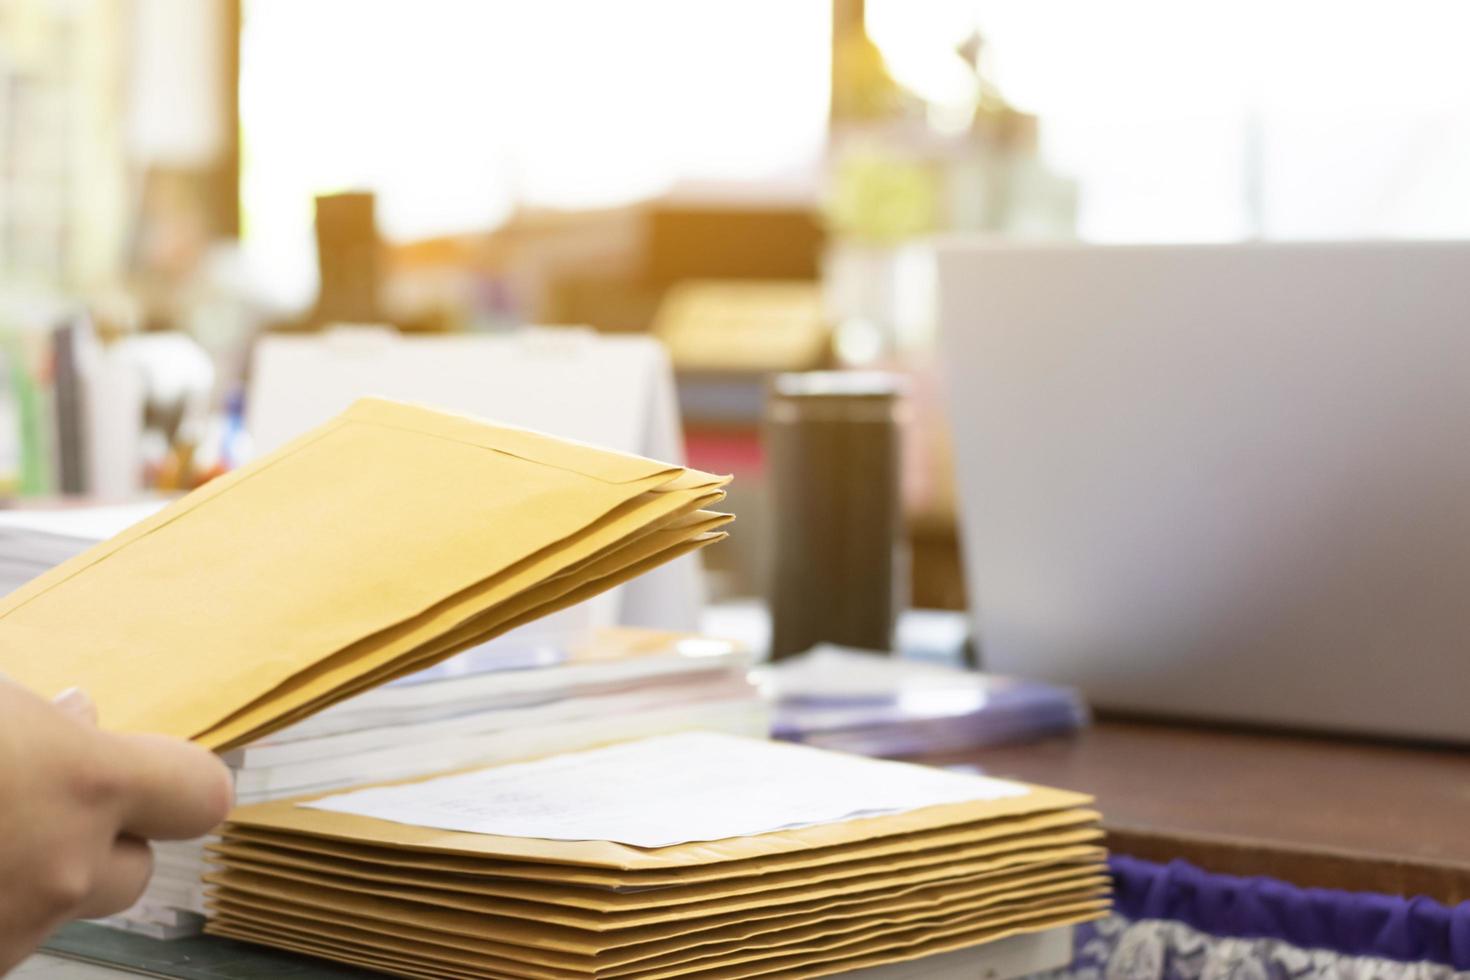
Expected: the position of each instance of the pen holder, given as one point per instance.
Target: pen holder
(832, 444)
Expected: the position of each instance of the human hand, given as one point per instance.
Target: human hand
(77, 808)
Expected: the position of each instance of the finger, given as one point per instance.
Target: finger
(78, 704)
(120, 880)
(170, 789)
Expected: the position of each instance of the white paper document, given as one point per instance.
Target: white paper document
(89, 524)
(673, 789)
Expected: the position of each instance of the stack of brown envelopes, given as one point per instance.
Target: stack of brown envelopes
(390, 877)
(374, 546)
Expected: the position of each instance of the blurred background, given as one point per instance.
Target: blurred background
(184, 183)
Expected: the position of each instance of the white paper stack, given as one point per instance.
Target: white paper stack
(34, 541)
(520, 696)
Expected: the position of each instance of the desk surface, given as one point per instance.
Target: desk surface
(1333, 813)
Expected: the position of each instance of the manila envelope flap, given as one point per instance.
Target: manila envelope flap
(942, 862)
(757, 933)
(953, 838)
(359, 525)
(812, 960)
(531, 586)
(286, 816)
(533, 916)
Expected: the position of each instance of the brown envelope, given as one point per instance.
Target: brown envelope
(895, 945)
(960, 837)
(601, 921)
(581, 931)
(286, 706)
(813, 959)
(287, 816)
(777, 932)
(827, 938)
(487, 610)
(635, 943)
(947, 861)
(347, 549)
(1041, 899)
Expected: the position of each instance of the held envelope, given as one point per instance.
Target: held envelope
(380, 543)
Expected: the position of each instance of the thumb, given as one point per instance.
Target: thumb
(76, 703)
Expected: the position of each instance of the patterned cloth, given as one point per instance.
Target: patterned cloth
(1117, 949)
(1177, 922)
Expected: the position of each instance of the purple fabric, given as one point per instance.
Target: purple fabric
(1351, 923)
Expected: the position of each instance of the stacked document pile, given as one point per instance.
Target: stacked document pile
(514, 698)
(517, 697)
(370, 549)
(694, 855)
(873, 704)
(381, 543)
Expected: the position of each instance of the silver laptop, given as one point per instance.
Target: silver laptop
(1226, 482)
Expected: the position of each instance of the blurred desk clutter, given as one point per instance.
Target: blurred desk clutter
(134, 398)
(744, 326)
(611, 391)
(109, 418)
(880, 705)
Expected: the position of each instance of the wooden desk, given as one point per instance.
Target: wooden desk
(1336, 813)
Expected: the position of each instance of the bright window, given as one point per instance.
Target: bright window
(1192, 120)
(456, 112)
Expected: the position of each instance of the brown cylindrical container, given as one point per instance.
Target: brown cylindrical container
(832, 448)
(347, 258)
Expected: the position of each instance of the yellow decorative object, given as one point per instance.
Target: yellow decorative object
(882, 198)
